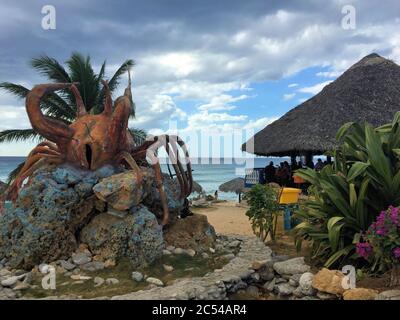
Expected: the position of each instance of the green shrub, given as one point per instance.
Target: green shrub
(363, 180)
(263, 210)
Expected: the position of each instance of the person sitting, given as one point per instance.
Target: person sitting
(319, 165)
(269, 172)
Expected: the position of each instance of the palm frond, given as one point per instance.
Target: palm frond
(139, 135)
(15, 89)
(52, 103)
(50, 68)
(98, 108)
(13, 174)
(81, 71)
(15, 135)
(114, 81)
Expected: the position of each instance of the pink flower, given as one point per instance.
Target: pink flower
(364, 249)
(396, 252)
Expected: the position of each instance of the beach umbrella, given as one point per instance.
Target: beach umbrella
(197, 187)
(235, 185)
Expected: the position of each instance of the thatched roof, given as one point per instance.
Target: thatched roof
(369, 91)
(197, 187)
(235, 185)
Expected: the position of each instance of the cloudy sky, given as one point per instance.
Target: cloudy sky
(207, 65)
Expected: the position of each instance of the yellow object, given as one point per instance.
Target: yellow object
(289, 195)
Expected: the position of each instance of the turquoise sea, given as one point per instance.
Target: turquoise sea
(209, 173)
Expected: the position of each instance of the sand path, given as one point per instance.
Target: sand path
(227, 218)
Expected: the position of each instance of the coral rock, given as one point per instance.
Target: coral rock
(360, 294)
(329, 281)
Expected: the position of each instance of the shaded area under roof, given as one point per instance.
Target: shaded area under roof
(369, 91)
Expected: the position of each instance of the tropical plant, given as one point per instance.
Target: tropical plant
(346, 196)
(62, 105)
(263, 210)
(380, 244)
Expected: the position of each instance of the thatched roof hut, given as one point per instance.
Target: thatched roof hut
(235, 185)
(369, 91)
(197, 187)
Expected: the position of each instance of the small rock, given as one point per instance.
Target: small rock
(305, 284)
(44, 268)
(280, 280)
(81, 258)
(112, 281)
(205, 255)
(109, 263)
(253, 291)
(4, 272)
(360, 294)
(234, 244)
(178, 251)
(10, 281)
(326, 296)
(67, 265)
(294, 280)
(228, 256)
(168, 268)
(28, 278)
(212, 250)
(269, 286)
(284, 289)
(190, 252)
(98, 281)
(9, 293)
(93, 266)
(291, 266)
(60, 270)
(257, 265)
(21, 286)
(298, 293)
(389, 295)
(170, 248)
(155, 281)
(19, 272)
(166, 252)
(137, 276)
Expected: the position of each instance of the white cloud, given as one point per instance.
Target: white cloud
(157, 113)
(315, 88)
(13, 117)
(288, 96)
(292, 85)
(222, 102)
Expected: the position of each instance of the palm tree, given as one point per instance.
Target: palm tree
(62, 105)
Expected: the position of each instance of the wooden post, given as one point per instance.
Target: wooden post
(293, 159)
(309, 159)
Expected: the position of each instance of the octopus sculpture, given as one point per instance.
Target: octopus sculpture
(95, 140)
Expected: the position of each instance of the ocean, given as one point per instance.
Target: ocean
(209, 173)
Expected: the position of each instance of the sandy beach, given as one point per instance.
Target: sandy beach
(227, 217)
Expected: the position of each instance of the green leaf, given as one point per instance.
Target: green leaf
(334, 231)
(337, 255)
(357, 169)
(343, 130)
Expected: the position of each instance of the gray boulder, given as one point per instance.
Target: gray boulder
(291, 266)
